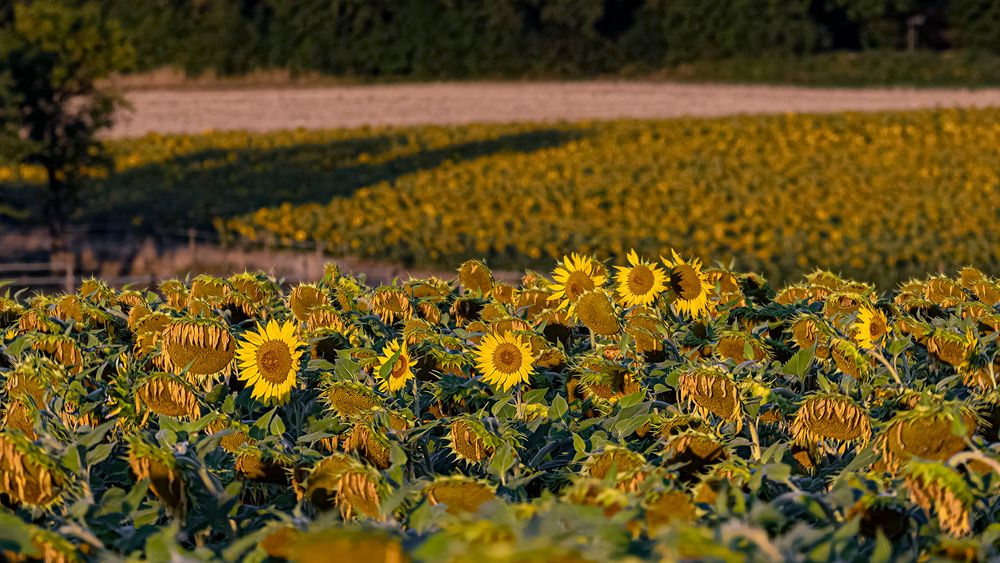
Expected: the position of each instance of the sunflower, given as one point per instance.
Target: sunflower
(574, 277)
(870, 328)
(395, 367)
(269, 359)
(504, 360)
(687, 284)
(597, 313)
(641, 283)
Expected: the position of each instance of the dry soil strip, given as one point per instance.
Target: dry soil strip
(265, 109)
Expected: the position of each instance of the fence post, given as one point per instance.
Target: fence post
(191, 244)
(69, 274)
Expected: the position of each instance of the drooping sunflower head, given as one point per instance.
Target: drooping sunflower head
(391, 304)
(937, 487)
(28, 474)
(61, 348)
(304, 298)
(870, 328)
(645, 328)
(605, 382)
(269, 360)
(460, 494)
(351, 545)
(692, 452)
(639, 283)
(950, 347)
(167, 395)
(740, 346)
(933, 432)
(199, 346)
(597, 312)
(470, 441)
(395, 366)
(350, 399)
(175, 292)
(687, 285)
(711, 390)
(629, 467)
(831, 416)
(369, 440)
(792, 294)
(849, 359)
(664, 507)
(475, 277)
(575, 276)
(152, 462)
(944, 291)
(504, 360)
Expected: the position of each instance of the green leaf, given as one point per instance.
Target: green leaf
(883, 549)
(559, 408)
(385, 372)
(579, 446)
(502, 461)
(99, 453)
(799, 363)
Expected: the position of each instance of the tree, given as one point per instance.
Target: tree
(52, 106)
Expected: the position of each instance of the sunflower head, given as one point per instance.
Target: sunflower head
(28, 474)
(937, 487)
(269, 360)
(149, 461)
(687, 285)
(470, 441)
(575, 276)
(664, 507)
(943, 291)
(597, 312)
(351, 545)
(175, 292)
(830, 416)
(304, 298)
(849, 359)
(645, 328)
(740, 346)
(504, 360)
(61, 348)
(871, 328)
(350, 399)
(693, 452)
(711, 390)
(391, 304)
(202, 347)
(639, 283)
(167, 395)
(629, 467)
(475, 277)
(934, 432)
(395, 366)
(460, 494)
(951, 347)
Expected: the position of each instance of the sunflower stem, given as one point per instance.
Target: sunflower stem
(755, 438)
(593, 341)
(416, 400)
(892, 370)
(517, 400)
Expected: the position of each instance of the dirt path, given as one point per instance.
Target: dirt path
(262, 109)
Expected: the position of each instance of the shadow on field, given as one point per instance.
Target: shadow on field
(194, 189)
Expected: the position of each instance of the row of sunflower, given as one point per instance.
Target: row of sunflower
(659, 409)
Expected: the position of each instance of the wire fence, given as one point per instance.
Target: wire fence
(35, 267)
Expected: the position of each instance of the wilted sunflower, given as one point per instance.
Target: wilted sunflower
(201, 346)
(687, 284)
(504, 360)
(849, 358)
(460, 494)
(665, 507)
(951, 347)
(28, 474)
(370, 442)
(348, 545)
(304, 298)
(395, 366)
(475, 277)
(470, 441)
(831, 416)
(350, 399)
(927, 432)
(628, 466)
(167, 395)
(575, 276)
(643, 326)
(936, 487)
(62, 349)
(391, 304)
(712, 391)
(269, 360)
(871, 328)
(640, 283)
(149, 461)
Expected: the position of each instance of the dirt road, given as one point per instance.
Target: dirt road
(262, 109)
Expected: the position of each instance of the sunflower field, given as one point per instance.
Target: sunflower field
(645, 409)
(876, 196)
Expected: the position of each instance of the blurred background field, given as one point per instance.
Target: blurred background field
(877, 196)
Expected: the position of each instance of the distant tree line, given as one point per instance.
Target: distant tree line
(459, 38)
